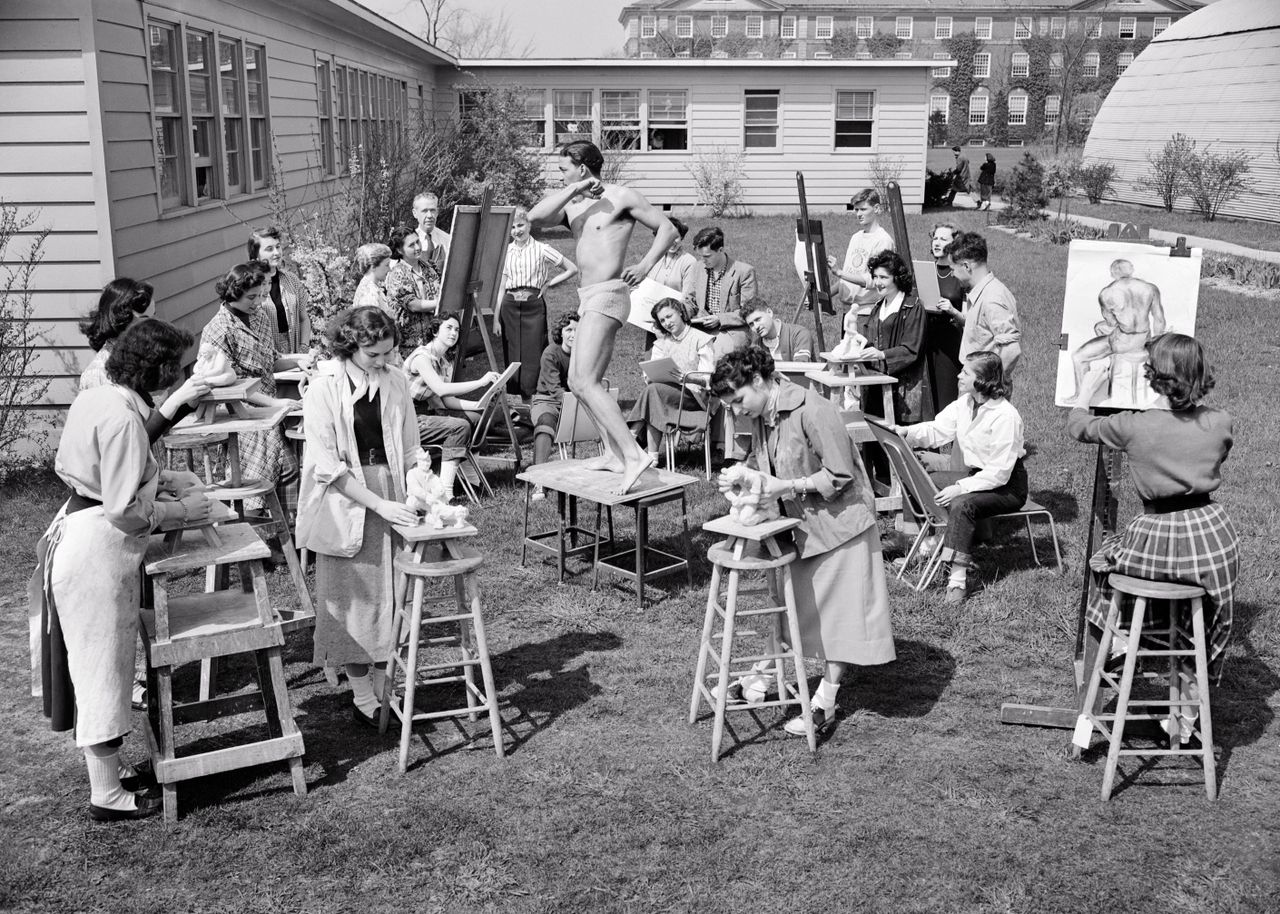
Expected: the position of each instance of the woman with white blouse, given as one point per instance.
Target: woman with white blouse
(668, 409)
(374, 263)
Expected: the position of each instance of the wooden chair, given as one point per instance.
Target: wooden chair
(921, 494)
(703, 380)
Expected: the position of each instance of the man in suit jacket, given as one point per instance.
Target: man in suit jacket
(786, 342)
(722, 286)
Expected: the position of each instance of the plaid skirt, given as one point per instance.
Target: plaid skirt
(1196, 546)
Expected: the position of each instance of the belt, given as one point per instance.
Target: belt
(78, 502)
(524, 293)
(373, 457)
(1176, 503)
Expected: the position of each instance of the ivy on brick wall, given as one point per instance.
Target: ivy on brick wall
(960, 85)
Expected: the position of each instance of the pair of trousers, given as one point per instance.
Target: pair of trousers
(965, 511)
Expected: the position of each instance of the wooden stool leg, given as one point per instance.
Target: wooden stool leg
(208, 677)
(777, 637)
(726, 648)
(411, 673)
(268, 689)
(1122, 702)
(466, 648)
(1172, 724)
(471, 587)
(688, 540)
(704, 646)
(802, 682)
(164, 679)
(394, 662)
(1202, 684)
(1089, 707)
(276, 511)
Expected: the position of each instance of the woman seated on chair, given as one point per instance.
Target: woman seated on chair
(1175, 460)
(805, 456)
(443, 419)
(668, 409)
(988, 430)
(553, 381)
(362, 440)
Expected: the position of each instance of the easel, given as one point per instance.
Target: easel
(1104, 519)
(901, 240)
(478, 232)
(817, 286)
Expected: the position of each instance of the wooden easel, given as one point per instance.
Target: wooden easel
(1104, 519)
(817, 291)
(469, 254)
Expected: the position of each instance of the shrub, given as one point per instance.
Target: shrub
(1065, 231)
(1214, 180)
(1061, 174)
(1095, 179)
(1245, 271)
(883, 170)
(20, 386)
(1166, 175)
(1025, 191)
(717, 173)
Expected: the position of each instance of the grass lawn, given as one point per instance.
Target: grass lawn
(1250, 233)
(919, 801)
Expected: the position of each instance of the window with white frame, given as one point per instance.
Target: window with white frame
(684, 26)
(788, 55)
(648, 55)
(668, 119)
(982, 65)
(1022, 27)
(755, 26)
(1159, 24)
(1017, 108)
(1058, 27)
(324, 104)
(978, 109)
(210, 87)
(1052, 109)
(755, 55)
(620, 119)
(1090, 64)
(1055, 64)
(719, 26)
(760, 121)
(648, 26)
(824, 27)
(719, 54)
(571, 115)
(821, 55)
(1129, 27)
(787, 30)
(903, 27)
(855, 119)
(940, 72)
(1093, 27)
(902, 55)
(859, 55)
(683, 52)
(1020, 64)
(982, 28)
(942, 28)
(940, 104)
(1084, 113)
(534, 122)
(864, 26)
(1124, 61)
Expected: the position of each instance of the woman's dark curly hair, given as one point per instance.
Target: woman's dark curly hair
(897, 267)
(739, 368)
(148, 356)
(356, 327)
(988, 375)
(396, 239)
(1177, 369)
(557, 332)
(675, 305)
(242, 279)
(121, 301)
(434, 328)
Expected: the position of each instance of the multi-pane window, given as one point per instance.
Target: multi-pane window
(719, 26)
(942, 28)
(761, 119)
(941, 72)
(646, 54)
(982, 65)
(534, 103)
(821, 55)
(1093, 27)
(1091, 63)
(620, 119)
(824, 27)
(324, 103)
(1052, 108)
(1123, 61)
(1017, 108)
(788, 55)
(1055, 64)
(209, 112)
(788, 28)
(1158, 25)
(684, 26)
(864, 26)
(903, 26)
(668, 119)
(1129, 27)
(1020, 64)
(982, 28)
(684, 52)
(755, 55)
(855, 118)
(902, 55)
(571, 110)
(978, 110)
(940, 104)
(344, 112)
(648, 26)
(1084, 114)
(755, 26)
(1022, 27)
(1058, 27)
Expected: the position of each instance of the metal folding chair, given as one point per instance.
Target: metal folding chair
(670, 438)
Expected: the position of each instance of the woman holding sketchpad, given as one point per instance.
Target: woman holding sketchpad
(668, 405)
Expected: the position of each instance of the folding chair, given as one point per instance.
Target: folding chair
(470, 475)
(920, 494)
(576, 425)
(703, 379)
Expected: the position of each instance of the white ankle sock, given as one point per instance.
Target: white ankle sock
(825, 696)
(959, 576)
(104, 782)
(362, 693)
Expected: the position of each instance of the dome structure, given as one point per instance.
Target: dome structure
(1213, 76)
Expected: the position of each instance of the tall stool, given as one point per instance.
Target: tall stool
(1172, 642)
(188, 445)
(750, 549)
(438, 555)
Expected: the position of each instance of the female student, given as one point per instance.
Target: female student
(1175, 456)
(413, 288)
(660, 404)
(553, 381)
(806, 458)
(284, 295)
(362, 440)
(374, 262)
(988, 430)
(944, 327)
(895, 333)
(122, 302)
(87, 584)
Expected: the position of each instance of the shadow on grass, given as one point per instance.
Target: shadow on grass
(1062, 505)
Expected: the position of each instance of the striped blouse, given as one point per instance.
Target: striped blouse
(529, 264)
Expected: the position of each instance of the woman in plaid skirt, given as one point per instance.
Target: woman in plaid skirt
(1175, 456)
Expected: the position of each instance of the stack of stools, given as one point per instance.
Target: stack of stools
(202, 626)
(750, 549)
(438, 554)
(1170, 641)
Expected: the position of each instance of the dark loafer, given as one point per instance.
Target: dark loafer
(368, 720)
(145, 808)
(143, 777)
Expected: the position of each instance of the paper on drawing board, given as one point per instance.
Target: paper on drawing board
(644, 297)
(661, 371)
(927, 283)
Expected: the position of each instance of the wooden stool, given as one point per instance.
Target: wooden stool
(196, 627)
(1174, 643)
(189, 444)
(750, 549)
(439, 555)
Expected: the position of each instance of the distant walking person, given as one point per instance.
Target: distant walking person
(986, 181)
(960, 176)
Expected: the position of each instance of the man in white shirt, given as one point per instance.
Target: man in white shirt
(991, 312)
(851, 282)
(435, 240)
